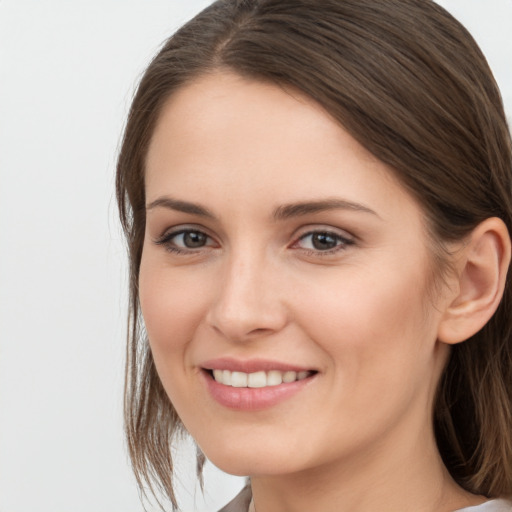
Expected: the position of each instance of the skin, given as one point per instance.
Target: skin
(359, 436)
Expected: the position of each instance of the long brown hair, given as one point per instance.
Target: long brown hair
(411, 85)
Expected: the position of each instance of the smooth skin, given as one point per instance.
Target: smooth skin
(343, 287)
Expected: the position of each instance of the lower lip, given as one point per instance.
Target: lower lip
(253, 399)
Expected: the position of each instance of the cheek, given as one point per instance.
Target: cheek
(375, 327)
(172, 308)
(381, 353)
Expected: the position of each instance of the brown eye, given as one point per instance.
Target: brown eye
(193, 239)
(323, 241)
(185, 240)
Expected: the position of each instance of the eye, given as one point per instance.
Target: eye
(323, 241)
(190, 239)
(185, 240)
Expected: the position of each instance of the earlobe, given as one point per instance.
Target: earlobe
(482, 271)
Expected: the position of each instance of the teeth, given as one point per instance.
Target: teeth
(238, 379)
(289, 376)
(226, 377)
(274, 378)
(257, 379)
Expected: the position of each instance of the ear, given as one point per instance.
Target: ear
(482, 270)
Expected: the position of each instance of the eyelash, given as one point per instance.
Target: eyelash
(167, 239)
(342, 242)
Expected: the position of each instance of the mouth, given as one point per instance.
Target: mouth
(254, 385)
(259, 379)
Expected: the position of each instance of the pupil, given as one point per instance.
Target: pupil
(194, 239)
(324, 241)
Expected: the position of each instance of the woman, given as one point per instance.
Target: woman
(316, 196)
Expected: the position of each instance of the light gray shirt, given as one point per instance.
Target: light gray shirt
(242, 501)
(490, 506)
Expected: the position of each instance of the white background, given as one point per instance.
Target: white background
(67, 73)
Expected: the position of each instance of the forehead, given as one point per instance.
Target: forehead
(226, 136)
(225, 111)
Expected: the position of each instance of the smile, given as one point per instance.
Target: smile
(254, 385)
(259, 379)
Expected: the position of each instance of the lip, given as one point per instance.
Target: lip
(252, 399)
(251, 365)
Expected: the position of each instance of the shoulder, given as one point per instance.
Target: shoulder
(241, 501)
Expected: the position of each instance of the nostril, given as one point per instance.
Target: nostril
(260, 330)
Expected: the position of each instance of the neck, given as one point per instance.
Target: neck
(400, 474)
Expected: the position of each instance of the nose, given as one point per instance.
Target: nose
(249, 302)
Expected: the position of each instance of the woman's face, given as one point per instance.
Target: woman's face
(284, 283)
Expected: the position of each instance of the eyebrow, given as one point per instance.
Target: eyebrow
(180, 206)
(282, 212)
(309, 207)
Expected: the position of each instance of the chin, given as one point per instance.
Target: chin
(249, 460)
(251, 467)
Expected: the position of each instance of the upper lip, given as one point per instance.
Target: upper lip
(251, 365)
